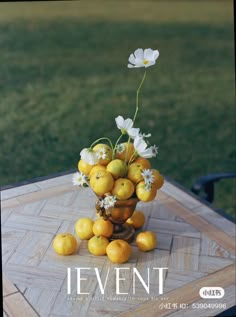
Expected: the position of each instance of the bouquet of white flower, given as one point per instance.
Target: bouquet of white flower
(121, 171)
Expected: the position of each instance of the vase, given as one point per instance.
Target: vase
(118, 215)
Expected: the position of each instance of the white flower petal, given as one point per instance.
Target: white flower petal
(132, 59)
(156, 54)
(108, 202)
(130, 66)
(119, 122)
(148, 176)
(89, 156)
(101, 153)
(148, 53)
(154, 149)
(139, 62)
(144, 135)
(128, 123)
(139, 53)
(139, 144)
(147, 153)
(150, 63)
(83, 151)
(141, 148)
(124, 124)
(133, 132)
(79, 179)
(136, 66)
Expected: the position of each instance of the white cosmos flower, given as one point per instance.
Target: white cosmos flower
(141, 148)
(101, 153)
(79, 179)
(148, 176)
(89, 156)
(108, 202)
(143, 58)
(126, 126)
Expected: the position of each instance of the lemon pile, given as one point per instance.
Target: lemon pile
(98, 232)
(113, 176)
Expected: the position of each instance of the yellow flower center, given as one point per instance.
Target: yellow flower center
(145, 61)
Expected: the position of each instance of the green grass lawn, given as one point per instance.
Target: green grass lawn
(63, 80)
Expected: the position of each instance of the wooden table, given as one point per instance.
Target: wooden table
(195, 243)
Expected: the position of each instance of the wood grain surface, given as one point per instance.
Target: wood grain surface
(194, 242)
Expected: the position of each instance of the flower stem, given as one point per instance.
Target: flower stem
(137, 95)
(114, 150)
(136, 110)
(103, 138)
(127, 151)
(132, 158)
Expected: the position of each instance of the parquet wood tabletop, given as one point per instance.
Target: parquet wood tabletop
(195, 243)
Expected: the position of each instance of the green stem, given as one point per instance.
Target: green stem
(136, 110)
(103, 138)
(127, 150)
(132, 158)
(114, 150)
(137, 95)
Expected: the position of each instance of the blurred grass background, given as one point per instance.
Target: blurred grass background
(63, 80)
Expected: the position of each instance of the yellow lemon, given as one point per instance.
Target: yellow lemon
(144, 162)
(158, 179)
(137, 220)
(117, 168)
(146, 241)
(123, 188)
(143, 194)
(135, 172)
(124, 148)
(118, 251)
(97, 245)
(101, 182)
(97, 168)
(84, 167)
(103, 228)
(64, 244)
(84, 228)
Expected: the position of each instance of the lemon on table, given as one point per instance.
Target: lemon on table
(103, 228)
(146, 241)
(84, 228)
(64, 244)
(137, 220)
(97, 245)
(118, 251)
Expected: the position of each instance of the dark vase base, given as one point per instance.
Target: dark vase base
(124, 232)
